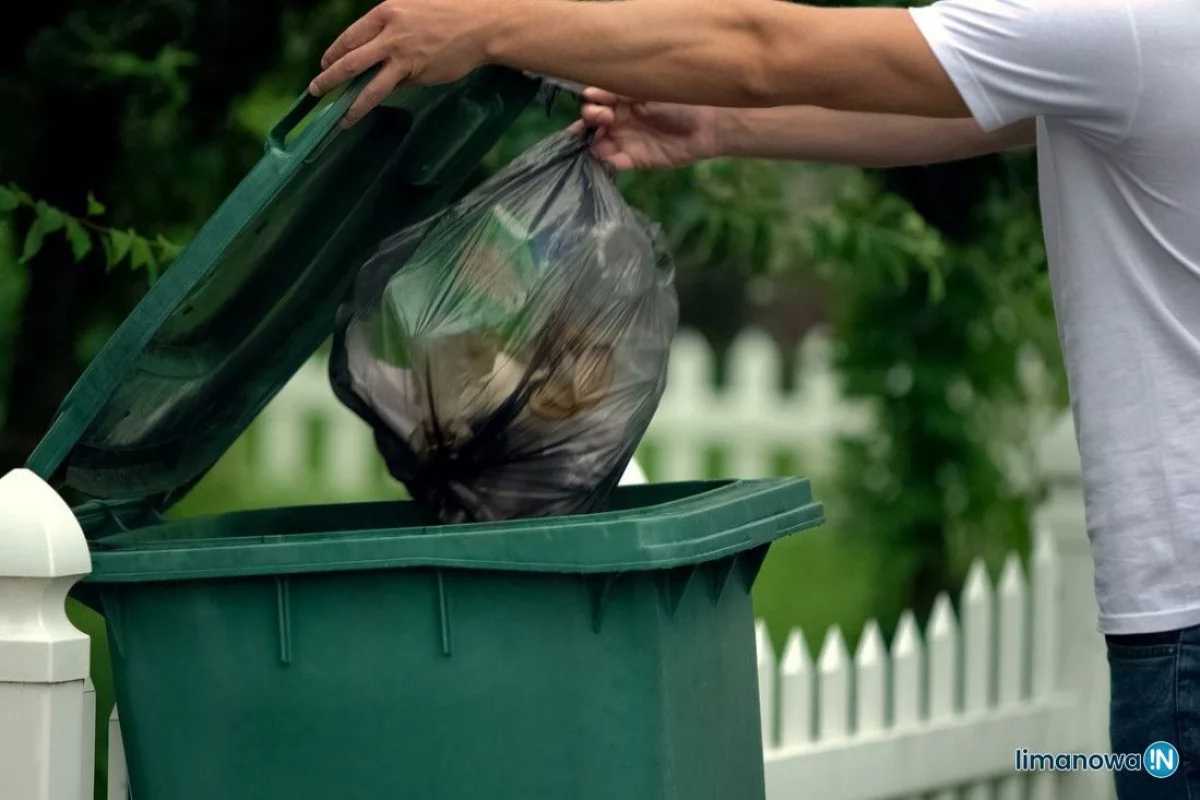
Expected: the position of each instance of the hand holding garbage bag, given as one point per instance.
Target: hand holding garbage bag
(510, 351)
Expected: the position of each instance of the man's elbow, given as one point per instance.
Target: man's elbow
(772, 59)
(759, 85)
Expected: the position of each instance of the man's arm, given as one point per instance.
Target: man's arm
(734, 53)
(858, 139)
(737, 53)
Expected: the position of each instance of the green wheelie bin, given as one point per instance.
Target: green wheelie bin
(352, 650)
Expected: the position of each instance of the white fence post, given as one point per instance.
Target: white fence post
(1082, 667)
(43, 658)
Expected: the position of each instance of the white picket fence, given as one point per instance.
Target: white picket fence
(941, 715)
(751, 422)
(938, 715)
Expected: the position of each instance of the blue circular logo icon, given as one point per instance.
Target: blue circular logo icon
(1161, 759)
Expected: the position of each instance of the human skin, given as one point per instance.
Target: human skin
(729, 53)
(758, 78)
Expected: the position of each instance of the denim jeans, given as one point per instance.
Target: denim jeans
(1156, 697)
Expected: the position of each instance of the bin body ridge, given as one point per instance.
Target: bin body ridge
(345, 688)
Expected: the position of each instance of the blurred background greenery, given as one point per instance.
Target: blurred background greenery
(128, 122)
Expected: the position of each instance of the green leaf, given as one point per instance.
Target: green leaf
(94, 207)
(168, 250)
(8, 200)
(140, 254)
(33, 241)
(80, 239)
(119, 243)
(51, 218)
(937, 286)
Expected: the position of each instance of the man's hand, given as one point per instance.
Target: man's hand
(634, 135)
(421, 42)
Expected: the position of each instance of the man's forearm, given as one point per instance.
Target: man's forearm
(862, 140)
(733, 53)
(641, 48)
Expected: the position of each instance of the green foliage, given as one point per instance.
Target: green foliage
(724, 212)
(880, 237)
(933, 333)
(727, 212)
(154, 107)
(82, 233)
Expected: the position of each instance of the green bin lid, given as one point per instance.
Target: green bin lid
(257, 290)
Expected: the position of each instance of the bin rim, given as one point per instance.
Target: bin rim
(698, 522)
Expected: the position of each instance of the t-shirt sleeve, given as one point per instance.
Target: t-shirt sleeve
(1011, 60)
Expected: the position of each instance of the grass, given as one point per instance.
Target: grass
(811, 582)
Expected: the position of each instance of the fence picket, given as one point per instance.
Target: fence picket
(683, 410)
(977, 633)
(833, 687)
(977, 610)
(908, 674)
(1045, 625)
(1012, 652)
(766, 682)
(350, 462)
(870, 681)
(282, 431)
(1044, 679)
(1044, 786)
(87, 774)
(1013, 787)
(796, 684)
(942, 643)
(754, 392)
(819, 405)
(118, 775)
(1014, 643)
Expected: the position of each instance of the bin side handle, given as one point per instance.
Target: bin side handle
(306, 102)
(277, 137)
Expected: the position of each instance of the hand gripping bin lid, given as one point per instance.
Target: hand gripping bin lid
(346, 650)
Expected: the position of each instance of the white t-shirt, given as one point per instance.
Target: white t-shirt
(1115, 86)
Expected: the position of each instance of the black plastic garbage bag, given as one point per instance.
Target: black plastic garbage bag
(510, 351)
